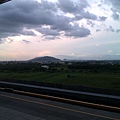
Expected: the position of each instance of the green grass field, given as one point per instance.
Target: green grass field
(100, 80)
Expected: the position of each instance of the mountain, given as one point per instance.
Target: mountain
(45, 59)
(68, 57)
(94, 57)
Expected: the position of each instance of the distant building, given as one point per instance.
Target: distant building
(69, 63)
(45, 66)
(62, 62)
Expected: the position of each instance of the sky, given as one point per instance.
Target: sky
(86, 29)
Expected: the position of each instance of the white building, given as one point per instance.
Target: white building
(45, 66)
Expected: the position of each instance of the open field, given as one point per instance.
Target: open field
(99, 74)
(100, 80)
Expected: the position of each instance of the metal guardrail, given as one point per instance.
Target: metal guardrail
(68, 94)
(66, 86)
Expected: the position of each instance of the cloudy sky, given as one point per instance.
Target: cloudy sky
(77, 28)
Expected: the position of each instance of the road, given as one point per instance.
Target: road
(21, 107)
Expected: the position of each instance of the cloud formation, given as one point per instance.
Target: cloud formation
(115, 8)
(78, 31)
(26, 41)
(115, 4)
(82, 24)
(18, 17)
(69, 6)
(51, 19)
(118, 30)
(115, 16)
(98, 30)
(102, 18)
(110, 29)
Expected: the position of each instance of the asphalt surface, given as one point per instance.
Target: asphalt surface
(20, 107)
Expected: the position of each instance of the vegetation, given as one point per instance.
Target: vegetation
(79, 73)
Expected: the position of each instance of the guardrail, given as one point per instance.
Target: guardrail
(66, 86)
(64, 93)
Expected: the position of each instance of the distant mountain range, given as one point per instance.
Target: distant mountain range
(97, 57)
(45, 59)
(65, 57)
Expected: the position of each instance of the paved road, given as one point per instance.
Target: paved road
(20, 107)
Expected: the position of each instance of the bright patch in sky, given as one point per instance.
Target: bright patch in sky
(84, 29)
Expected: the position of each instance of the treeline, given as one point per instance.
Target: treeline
(95, 67)
(19, 67)
(28, 67)
(56, 67)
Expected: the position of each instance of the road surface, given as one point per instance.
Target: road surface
(21, 107)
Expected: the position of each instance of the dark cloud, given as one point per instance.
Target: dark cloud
(77, 9)
(69, 6)
(98, 30)
(89, 15)
(28, 33)
(118, 30)
(99, 5)
(115, 4)
(77, 32)
(115, 16)
(102, 18)
(48, 31)
(90, 23)
(19, 17)
(110, 29)
(62, 23)
(115, 8)
(85, 15)
(26, 41)
(49, 6)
